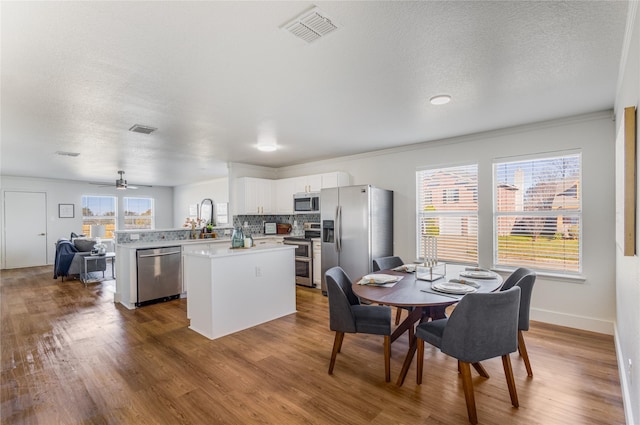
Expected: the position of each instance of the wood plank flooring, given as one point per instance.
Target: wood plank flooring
(72, 356)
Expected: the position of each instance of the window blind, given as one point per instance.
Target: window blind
(447, 208)
(538, 214)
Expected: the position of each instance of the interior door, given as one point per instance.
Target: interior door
(25, 229)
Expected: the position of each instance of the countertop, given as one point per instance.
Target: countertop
(224, 251)
(180, 242)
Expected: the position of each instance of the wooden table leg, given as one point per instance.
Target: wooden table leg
(426, 313)
(407, 324)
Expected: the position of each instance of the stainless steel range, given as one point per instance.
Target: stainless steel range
(304, 253)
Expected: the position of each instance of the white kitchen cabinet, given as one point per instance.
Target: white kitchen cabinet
(312, 183)
(253, 196)
(317, 263)
(336, 179)
(284, 190)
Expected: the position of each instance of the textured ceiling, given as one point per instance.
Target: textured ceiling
(77, 75)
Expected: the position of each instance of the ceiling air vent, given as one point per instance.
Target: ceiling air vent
(144, 129)
(311, 25)
(63, 153)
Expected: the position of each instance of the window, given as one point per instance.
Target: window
(447, 203)
(99, 210)
(538, 213)
(138, 213)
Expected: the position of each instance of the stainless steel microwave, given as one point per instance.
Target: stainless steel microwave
(306, 202)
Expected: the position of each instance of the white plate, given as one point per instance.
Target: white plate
(452, 288)
(478, 274)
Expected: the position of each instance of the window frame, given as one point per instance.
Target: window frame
(462, 213)
(579, 212)
(100, 217)
(125, 217)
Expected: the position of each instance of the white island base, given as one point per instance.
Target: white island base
(229, 290)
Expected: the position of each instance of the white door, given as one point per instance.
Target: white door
(25, 230)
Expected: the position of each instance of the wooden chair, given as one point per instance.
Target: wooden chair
(482, 326)
(347, 315)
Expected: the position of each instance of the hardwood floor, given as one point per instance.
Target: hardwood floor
(72, 356)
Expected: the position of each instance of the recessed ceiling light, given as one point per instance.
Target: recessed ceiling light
(440, 99)
(267, 144)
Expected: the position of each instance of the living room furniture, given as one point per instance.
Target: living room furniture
(88, 259)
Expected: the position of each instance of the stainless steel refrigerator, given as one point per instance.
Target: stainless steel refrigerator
(357, 226)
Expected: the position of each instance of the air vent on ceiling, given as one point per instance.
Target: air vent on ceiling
(144, 129)
(63, 153)
(311, 25)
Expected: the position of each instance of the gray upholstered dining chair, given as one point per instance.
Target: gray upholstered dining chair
(385, 263)
(523, 278)
(347, 315)
(482, 326)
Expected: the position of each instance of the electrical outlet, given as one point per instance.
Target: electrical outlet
(134, 236)
(258, 272)
(227, 232)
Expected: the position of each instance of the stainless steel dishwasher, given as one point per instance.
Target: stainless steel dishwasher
(159, 274)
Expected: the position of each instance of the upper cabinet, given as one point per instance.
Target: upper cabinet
(284, 190)
(262, 196)
(253, 196)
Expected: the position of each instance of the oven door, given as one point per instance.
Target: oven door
(304, 270)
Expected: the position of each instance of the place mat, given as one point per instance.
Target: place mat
(386, 280)
(453, 288)
(478, 274)
(407, 268)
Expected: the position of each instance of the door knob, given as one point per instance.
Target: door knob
(41, 234)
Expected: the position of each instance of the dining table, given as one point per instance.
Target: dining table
(424, 302)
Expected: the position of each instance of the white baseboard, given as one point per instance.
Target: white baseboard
(572, 321)
(624, 382)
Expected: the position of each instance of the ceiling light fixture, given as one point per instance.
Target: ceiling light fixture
(267, 144)
(440, 99)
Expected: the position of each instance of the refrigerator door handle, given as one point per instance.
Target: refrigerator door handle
(339, 228)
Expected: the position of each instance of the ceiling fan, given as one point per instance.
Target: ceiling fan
(121, 183)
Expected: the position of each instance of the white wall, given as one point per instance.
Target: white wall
(188, 194)
(588, 304)
(70, 192)
(628, 268)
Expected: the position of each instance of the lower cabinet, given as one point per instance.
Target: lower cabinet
(317, 263)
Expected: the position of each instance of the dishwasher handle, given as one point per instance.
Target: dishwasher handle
(162, 254)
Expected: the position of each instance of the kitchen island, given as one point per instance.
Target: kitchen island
(126, 266)
(234, 289)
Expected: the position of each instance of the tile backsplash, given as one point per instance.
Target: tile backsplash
(255, 223)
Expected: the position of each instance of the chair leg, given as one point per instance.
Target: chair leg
(387, 358)
(419, 361)
(467, 385)
(337, 344)
(398, 315)
(480, 369)
(522, 348)
(511, 383)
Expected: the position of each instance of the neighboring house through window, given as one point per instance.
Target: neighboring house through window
(138, 213)
(538, 213)
(99, 210)
(447, 208)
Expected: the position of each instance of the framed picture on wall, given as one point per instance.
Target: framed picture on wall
(66, 210)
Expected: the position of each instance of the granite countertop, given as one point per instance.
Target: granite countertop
(179, 242)
(224, 251)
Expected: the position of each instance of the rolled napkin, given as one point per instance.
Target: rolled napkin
(465, 282)
(378, 279)
(407, 268)
(476, 269)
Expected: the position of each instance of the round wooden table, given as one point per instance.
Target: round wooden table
(410, 292)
